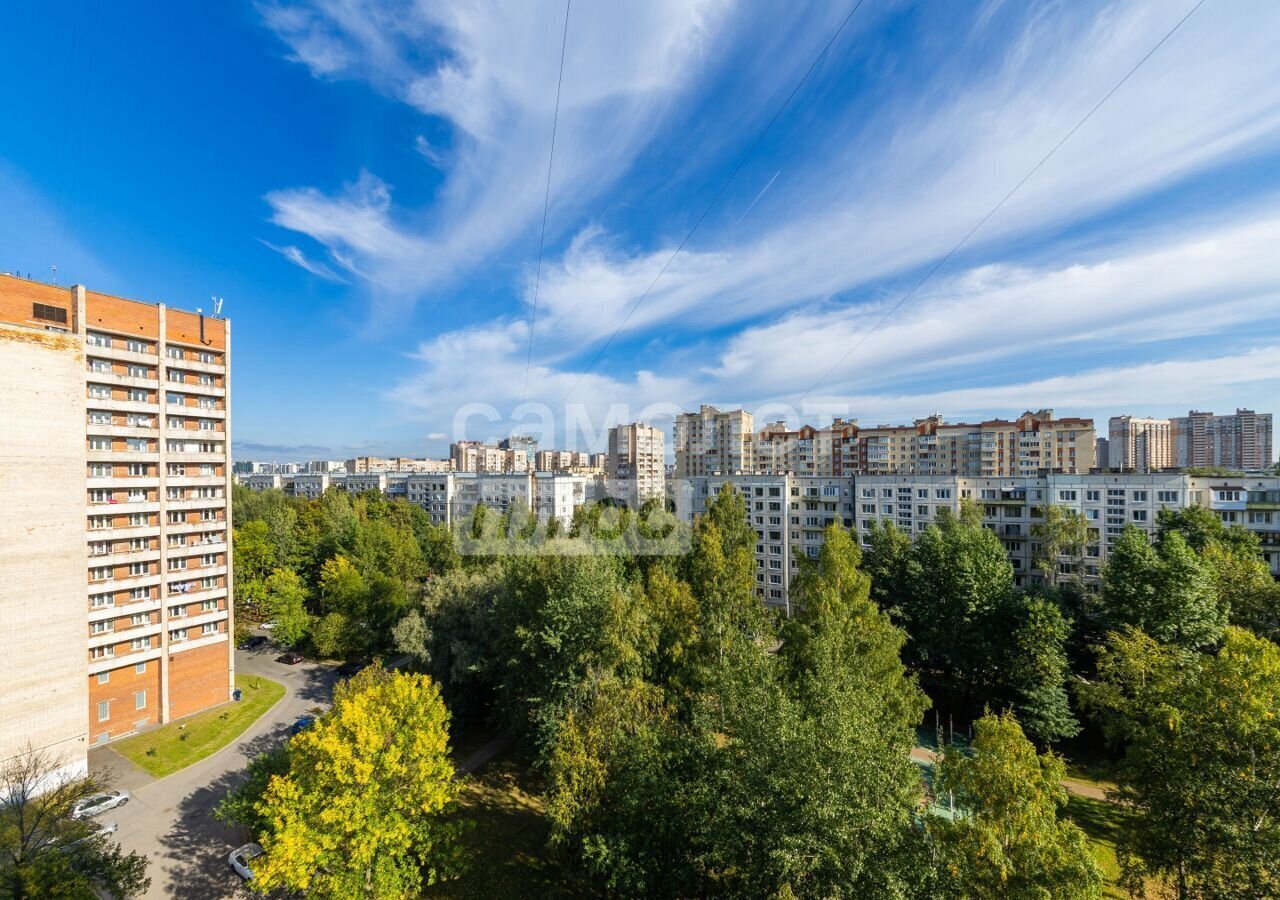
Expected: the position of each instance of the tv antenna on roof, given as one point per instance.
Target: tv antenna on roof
(54, 270)
(217, 305)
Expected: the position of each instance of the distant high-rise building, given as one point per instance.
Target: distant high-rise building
(151, 461)
(712, 442)
(1103, 454)
(637, 463)
(1240, 441)
(1138, 444)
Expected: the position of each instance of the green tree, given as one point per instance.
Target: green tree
(888, 560)
(1201, 761)
(254, 554)
(363, 809)
(1060, 532)
(1009, 841)
(961, 580)
(1166, 591)
(44, 853)
(1036, 668)
(286, 601)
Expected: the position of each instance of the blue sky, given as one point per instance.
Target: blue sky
(363, 183)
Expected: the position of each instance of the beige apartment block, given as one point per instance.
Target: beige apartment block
(712, 441)
(45, 693)
(154, 519)
(1135, 443)
(818, 452)
(1033, 443)
(637, 463)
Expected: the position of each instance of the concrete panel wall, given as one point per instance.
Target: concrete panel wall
(43, 692)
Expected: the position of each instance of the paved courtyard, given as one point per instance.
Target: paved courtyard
(169, 820)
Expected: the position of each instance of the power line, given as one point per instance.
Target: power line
(1025, 178)
(546, 203)
(714, 200)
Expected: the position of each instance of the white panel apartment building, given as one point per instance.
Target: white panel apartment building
(789, 513)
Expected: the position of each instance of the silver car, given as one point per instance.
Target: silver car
(241, 857)
(99, 803)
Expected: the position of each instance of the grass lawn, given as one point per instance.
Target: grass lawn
(1102, 822)
(179, 744)
(507, 846)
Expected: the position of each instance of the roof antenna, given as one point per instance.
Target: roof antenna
(54, 269)
(217, 305)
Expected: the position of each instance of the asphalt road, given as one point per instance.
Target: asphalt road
(168, 820)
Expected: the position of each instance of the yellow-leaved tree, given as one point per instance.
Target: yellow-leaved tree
(364, 808)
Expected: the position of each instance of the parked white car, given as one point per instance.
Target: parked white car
(99, 803)
(241, 857)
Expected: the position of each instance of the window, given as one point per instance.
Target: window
(94, 339)
(137, 469)
(139, 568)
(1139, 515)
(99, 365)
(99, 417)
(101, 627)
(99, 443)
(209, 628)
(140, 668)
(137, 372)
(102, 652)
(942, 494)
(104, 710)
(48, 313)
(1167, 496)
(104, 677)
(137, 445)
(99, 392)
(1227, 496)
(139, 619)
(1139, 496)
(139, 699)
(140, 593)
(100, 574)
(99, 470)
(177, 375)
(178, 634)
(140, 644)
(177, 565)
(177, 612)
(98, 601)
(137, 395)
(137, 347)
(136, 519)
(175, 399)
(1093, 496)
(1066, 495)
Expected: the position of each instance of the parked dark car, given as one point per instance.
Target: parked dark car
(253, 643)
(350, 669)
(290, 658)
(303, 723)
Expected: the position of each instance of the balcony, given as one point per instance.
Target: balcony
(197, 503)
(125, 659)
(112, 404)
(124, 635)
(122, 557)
(191, 365)
(188, 387)
(124, 431)
(185, 456)
(123, 507)
(120, 354)
(128, 381)
(97, 614)
(122, 456)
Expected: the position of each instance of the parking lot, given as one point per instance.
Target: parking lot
(168, 820)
